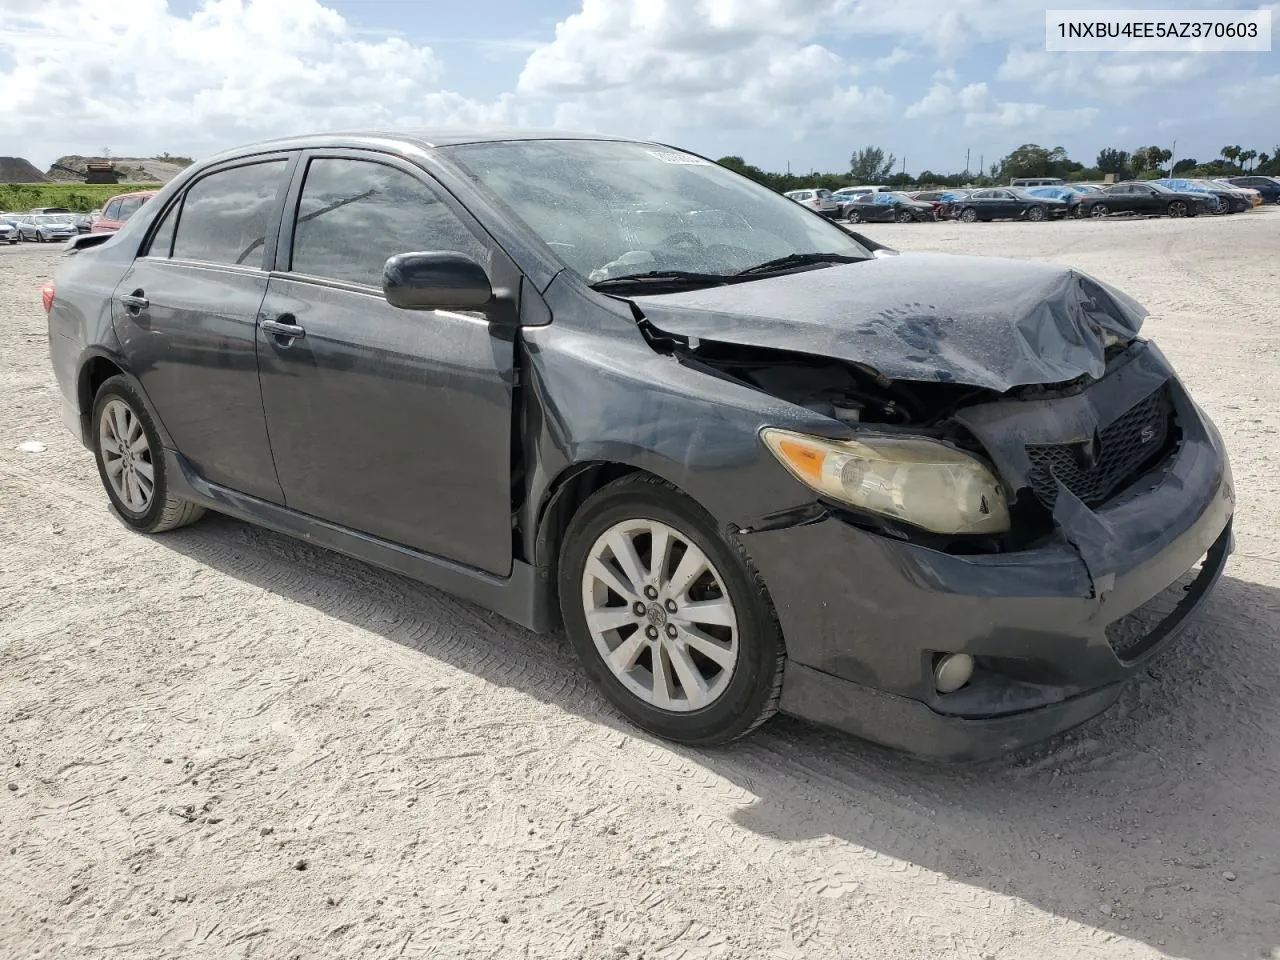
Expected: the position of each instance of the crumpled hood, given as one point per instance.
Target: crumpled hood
(918, 316)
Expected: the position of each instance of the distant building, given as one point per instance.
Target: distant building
(101, 171)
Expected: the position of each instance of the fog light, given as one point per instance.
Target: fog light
(952, 671)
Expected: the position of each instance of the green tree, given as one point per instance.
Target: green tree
(1150, 159)
(1247, 157)
(1033, 160)
(1115, 161)
(1185, 164)
(870, 165)
(1231, 154)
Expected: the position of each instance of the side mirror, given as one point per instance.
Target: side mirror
(435, 281)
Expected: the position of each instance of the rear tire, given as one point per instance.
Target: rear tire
(737, 658)
(855, 216)
(131, 464)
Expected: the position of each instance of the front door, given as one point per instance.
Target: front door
(1007, 205)
(396, 423)
(186, 315)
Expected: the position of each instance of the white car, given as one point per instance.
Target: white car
(816, 199)
(8, 232)
(46, 228)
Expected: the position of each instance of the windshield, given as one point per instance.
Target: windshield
(609, 209)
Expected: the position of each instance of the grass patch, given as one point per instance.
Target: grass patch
(81, 197)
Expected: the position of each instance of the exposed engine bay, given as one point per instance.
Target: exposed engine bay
(844, 391)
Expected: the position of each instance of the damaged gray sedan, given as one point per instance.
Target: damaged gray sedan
(747, 459)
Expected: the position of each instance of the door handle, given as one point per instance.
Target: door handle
(135, 302)
(278, 328)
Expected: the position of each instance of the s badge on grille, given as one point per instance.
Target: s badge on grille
(1147, 435)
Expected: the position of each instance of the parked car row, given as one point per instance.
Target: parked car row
(39, 227)
(51, 224)
(1040, 200)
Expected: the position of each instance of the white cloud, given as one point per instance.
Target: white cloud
(1117, 76)
(677, 64)
(1042, 121)
(941, 99)
(138, 78)
(896, 58)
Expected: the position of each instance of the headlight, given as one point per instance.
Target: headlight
(919, 481)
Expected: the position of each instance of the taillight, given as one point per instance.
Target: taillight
(46, 296)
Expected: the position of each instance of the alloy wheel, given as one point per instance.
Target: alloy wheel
(126, 456)
(660, 615)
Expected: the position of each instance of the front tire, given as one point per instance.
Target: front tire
(906, 216)
(1177, 208)
(968, 215)
(130, 460)
(855, 216)
(669, 616)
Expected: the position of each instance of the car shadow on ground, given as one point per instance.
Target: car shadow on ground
(1158, 821)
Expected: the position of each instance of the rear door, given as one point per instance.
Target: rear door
(186, 314)
(396, 423)
(1120, 199)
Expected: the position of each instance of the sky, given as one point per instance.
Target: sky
(798, 83)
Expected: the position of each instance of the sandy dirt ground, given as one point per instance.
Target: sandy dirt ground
(223, 743)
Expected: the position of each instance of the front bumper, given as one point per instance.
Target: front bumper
(865, 616)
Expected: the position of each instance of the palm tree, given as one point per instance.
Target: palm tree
(1231, 154)
(1247, 157)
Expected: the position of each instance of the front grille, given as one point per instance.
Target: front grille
(1119, 455)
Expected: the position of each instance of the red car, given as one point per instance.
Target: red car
(119, 209)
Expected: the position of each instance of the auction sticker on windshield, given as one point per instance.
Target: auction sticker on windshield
(688, 159)
(1155, 31)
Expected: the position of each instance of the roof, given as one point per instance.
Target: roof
(443, 137)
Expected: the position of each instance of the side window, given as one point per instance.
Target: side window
(129, 206)
(226, 215)
(162, 239)
(112, 212)
(354, 214)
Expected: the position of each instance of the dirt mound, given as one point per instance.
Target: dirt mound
(18, 170)
(131, 169)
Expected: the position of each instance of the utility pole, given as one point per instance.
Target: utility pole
(966, 163)
(1173, 158)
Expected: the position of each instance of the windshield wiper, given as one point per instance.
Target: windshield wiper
(798, 260)
(679, 277)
